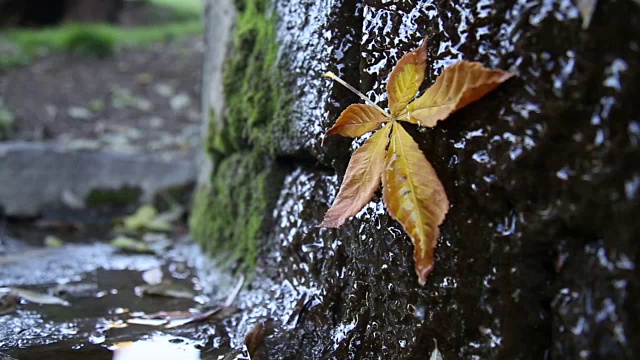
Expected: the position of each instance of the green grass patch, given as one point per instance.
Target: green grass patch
(97, 40)
(184, 9)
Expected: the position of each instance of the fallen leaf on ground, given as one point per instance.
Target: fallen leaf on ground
(8, 303)
(172, 215)
(173, 319)
(53, 241)
(195, 318)
(147, 322)
(143, 219)
(75, 290)
(147, 218)
(39, 298)
(254, 338)
(126, 243)
(166, 288)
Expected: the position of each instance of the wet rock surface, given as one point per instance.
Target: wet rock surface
(537, 257)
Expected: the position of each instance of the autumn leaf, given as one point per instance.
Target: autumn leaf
(414, 196)
(361, 180)
(405, 79)
(357, 120)
(459, 85)
(412, 192)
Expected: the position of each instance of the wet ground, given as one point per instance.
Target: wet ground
(103, 286)
(144, 99)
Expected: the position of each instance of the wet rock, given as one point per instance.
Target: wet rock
(35, 176)
(537, 257)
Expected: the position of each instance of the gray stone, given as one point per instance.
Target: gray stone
(36, 176)
(221, 16)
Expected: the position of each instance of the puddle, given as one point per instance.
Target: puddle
(157, 346)
(103, 289)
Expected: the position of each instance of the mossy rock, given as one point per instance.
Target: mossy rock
(231, 215)
(255, 97)
(126, 195)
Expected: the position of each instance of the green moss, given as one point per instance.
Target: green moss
(113, 197)
(254, 97)
(217, 144)
(230, 217)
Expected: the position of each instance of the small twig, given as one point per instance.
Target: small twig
(232, 296)
(333, 76)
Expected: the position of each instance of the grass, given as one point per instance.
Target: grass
(66, 37)
(99, 40)
(182, 8)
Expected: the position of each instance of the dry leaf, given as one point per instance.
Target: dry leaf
(254, 338)
(415, 197)
(8, 303)
(405, 79)
(39, 298)
(165, 288)
(459, 85)
(357, 120)
(412, 192)
(361, 180)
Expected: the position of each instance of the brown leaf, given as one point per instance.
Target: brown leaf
(406, 78)
(254, 338)
(357, 120)
(460, 84)
(360, 181)
(415, 197)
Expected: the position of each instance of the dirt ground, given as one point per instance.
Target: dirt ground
(141, 99)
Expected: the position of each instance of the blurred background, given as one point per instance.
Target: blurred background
(99, 135)
(76, 71)
(104, 82)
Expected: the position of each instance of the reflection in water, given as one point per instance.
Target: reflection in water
(156, 346)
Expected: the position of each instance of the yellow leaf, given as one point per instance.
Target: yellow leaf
(357, 120)
(458, 85)
(361, 179)
(415, 197)
(406, 78)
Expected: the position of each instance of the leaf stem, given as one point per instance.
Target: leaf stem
(333, 76)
